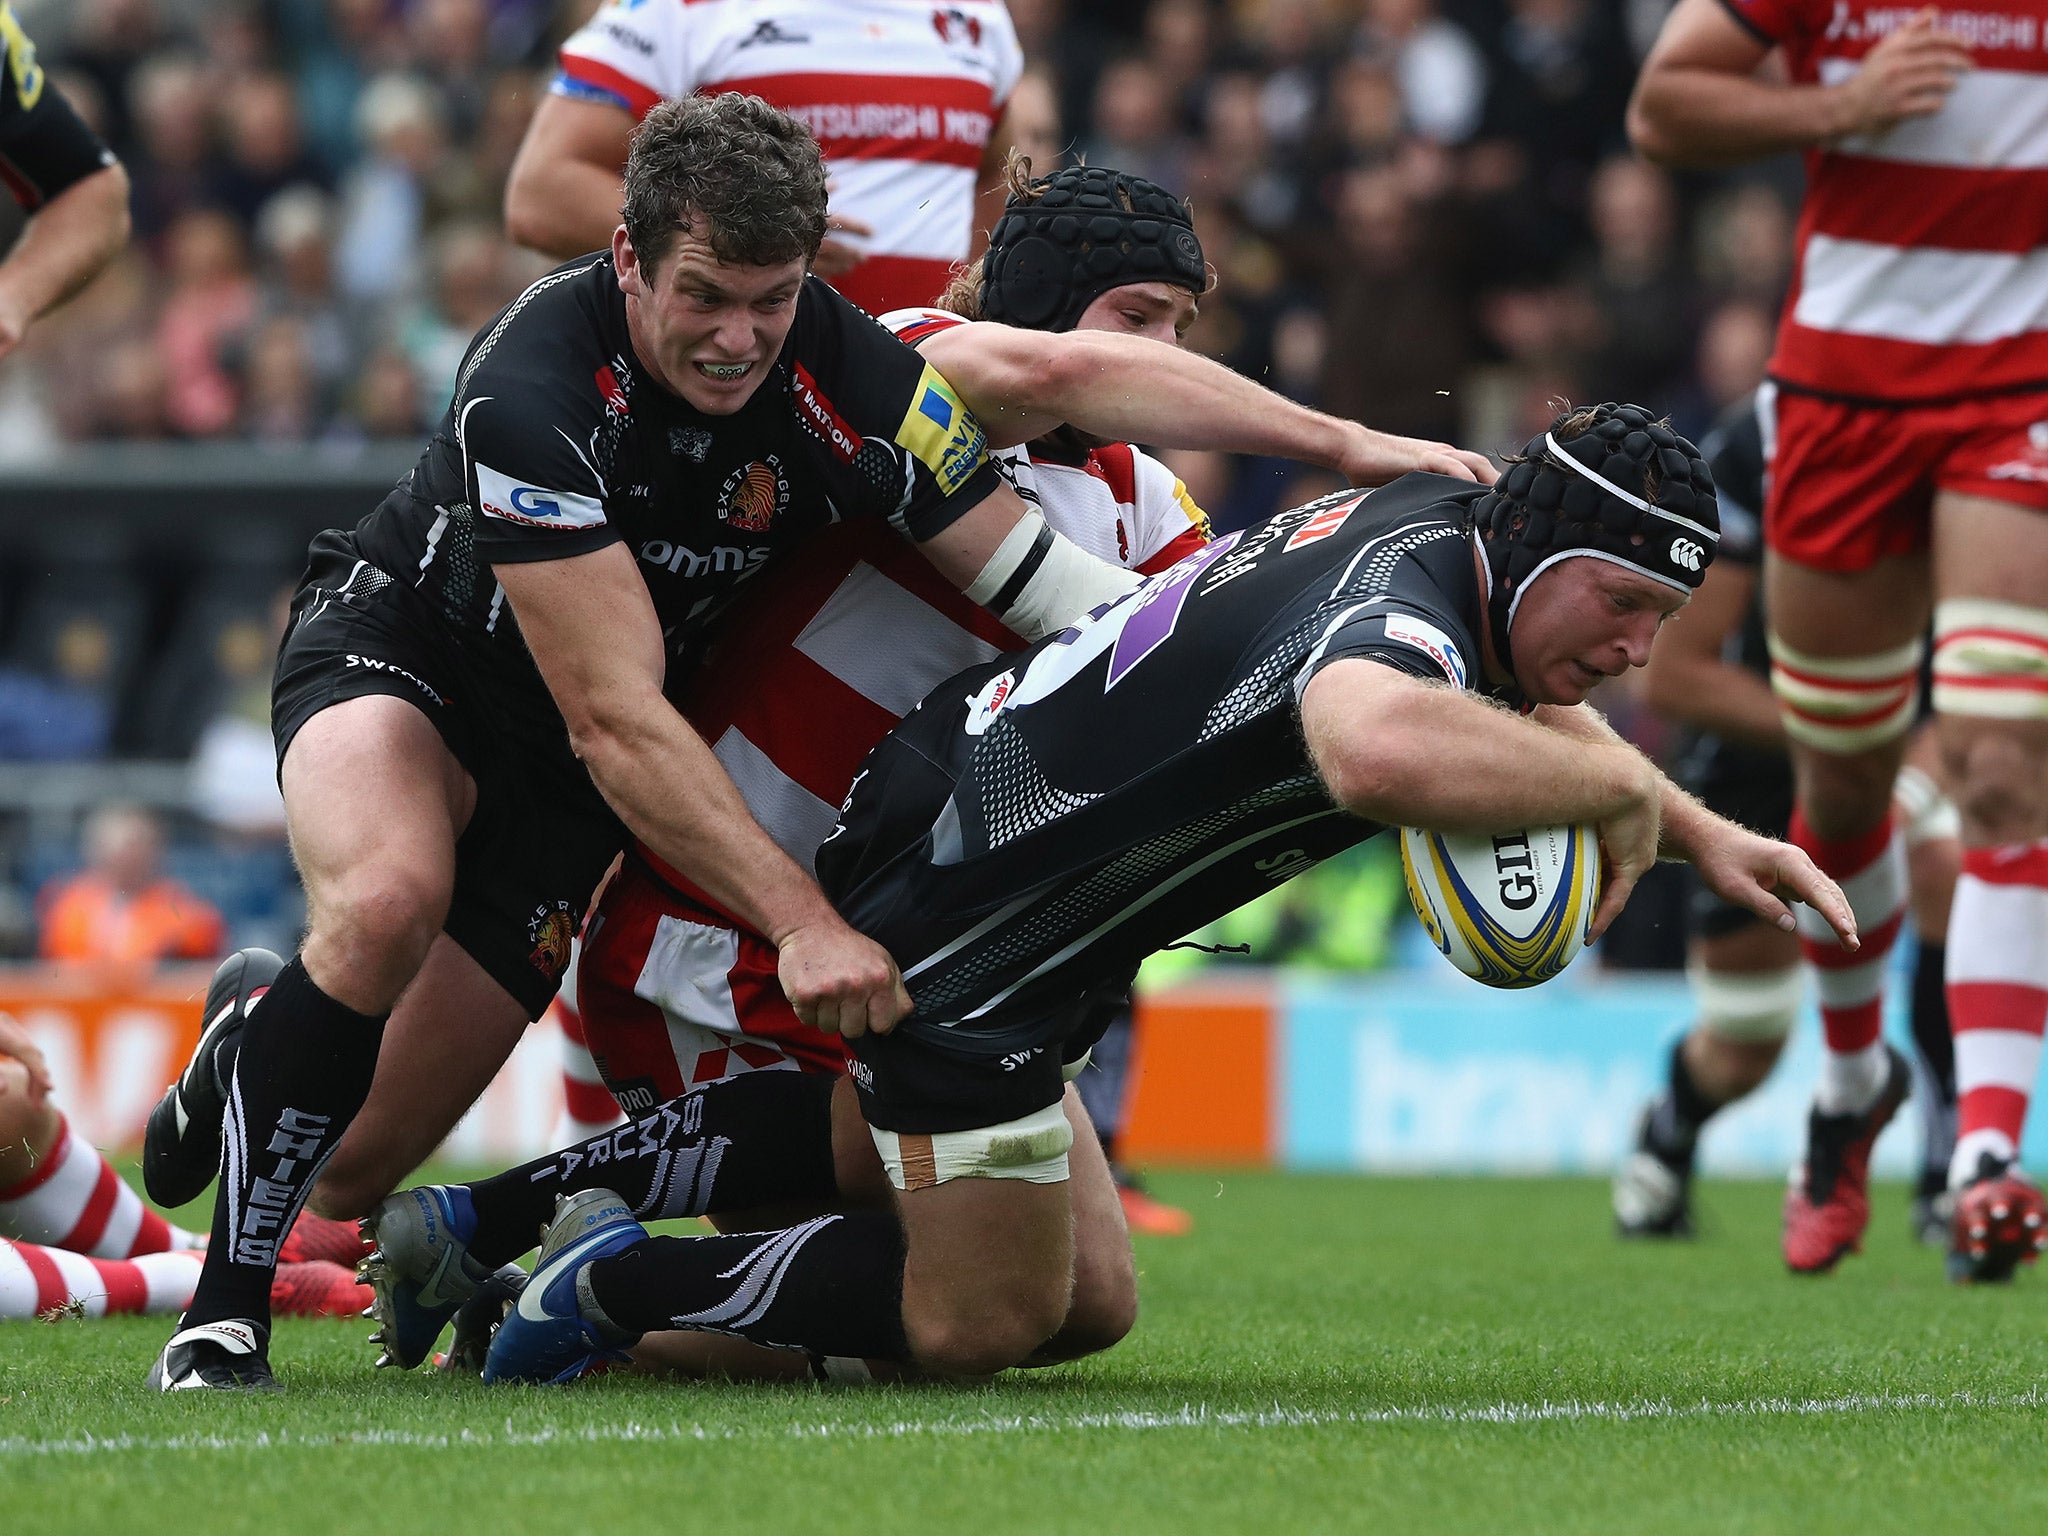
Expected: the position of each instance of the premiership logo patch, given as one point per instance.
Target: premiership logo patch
(942, 434)
(753, 496)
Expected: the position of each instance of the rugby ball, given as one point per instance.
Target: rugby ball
(1509, 910)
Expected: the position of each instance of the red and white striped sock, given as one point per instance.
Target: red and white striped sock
(76, 1201)
(34, 1279)
(588, 1108)
(1997, 997)
(1871, 870)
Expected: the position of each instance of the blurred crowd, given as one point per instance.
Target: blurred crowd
(1423, 213)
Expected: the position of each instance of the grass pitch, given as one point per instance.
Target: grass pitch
(1324, 1354)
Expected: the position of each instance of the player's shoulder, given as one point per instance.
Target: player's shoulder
(1784, 21)
(557, 353)
(919, 323)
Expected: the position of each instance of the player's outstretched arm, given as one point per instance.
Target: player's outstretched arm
(66, 245)
(1699, 102)
(1021, 384)
(1745, 868)
(567, 182)
(592, 630)
(1007, 558)
(1397, 749)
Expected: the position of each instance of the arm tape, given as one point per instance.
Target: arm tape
(1039, 581)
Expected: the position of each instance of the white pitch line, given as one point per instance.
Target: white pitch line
(1193, 1416)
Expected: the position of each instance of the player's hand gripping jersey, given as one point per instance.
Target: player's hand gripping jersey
(902, 96)
(1923, 250)
(1043, 822)
(809, 672)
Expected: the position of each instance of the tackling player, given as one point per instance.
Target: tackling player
(1042, 821)
(908, 101)
(1909, 475)
(1711, 674)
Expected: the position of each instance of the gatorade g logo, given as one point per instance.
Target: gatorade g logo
(1686, 555)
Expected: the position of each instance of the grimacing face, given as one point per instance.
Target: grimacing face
(1583, 621)
(705, 329)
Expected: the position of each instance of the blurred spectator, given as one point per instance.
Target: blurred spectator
(1399, 335)
(473, 279)
(295, 238)
(281, 396)
(1035, 129)
(1234, 161)
(1136, 127)
(65, 713)
(1735, 348)
(1439, 69)
(1644, 305)
(1745, 244)
(384, 198)
(109, 42)
(172, 162)
(388, 398)
(234, 765)
(265, 151)
(1179, 38)
(1559, 85)
(121, 908)
(212, 300)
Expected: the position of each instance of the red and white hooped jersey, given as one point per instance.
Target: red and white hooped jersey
(1923, 251)
(843, 638)
(902, 95)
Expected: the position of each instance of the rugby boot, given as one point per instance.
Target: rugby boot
(1652, 1188)
(419, 1269)
(2000, 1223)
(551, 1333)
(317, 1288)
(1827, 1206)
(1143, 1212)
(228, 1356)
(181, 1142)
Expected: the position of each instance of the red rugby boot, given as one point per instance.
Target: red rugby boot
(318, 1237)
(318, 1288)
(1828, 1204)
(2000, 1224)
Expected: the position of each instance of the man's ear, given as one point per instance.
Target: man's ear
(626, 262)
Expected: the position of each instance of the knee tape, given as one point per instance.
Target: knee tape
(1846, 704)
(1749, 1006)
(1925, 814)
(1033, 1149)
(1990, 659)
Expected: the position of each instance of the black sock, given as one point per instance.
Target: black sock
(750, 1140)
(303, 1072)
(1676, 1122)
(1936, 1048)
(833, 1286)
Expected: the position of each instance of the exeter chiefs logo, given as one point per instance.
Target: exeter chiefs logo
(751, 497)
(551, 928)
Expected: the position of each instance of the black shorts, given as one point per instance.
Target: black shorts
(915, 1088)
(1750, 787)
(541, 836)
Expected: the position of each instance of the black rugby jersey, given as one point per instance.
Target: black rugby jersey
(1134, 777)
(45, 147)
(557, 443)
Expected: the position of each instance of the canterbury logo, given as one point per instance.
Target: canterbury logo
(1686, 554)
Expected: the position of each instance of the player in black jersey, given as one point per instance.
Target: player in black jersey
(1712, 676)
(469, 703)
(1040, 823)
(57, 169)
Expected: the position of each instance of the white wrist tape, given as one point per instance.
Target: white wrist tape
(1039, 581)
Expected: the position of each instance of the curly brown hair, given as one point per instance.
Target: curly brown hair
(751, 173)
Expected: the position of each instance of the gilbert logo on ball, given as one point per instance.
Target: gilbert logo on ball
(1511, 909)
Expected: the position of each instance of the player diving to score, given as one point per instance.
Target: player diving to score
(1041, 822)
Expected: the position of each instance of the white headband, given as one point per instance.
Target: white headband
(1633, 500)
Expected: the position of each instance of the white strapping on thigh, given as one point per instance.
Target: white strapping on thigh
(1033, 1149)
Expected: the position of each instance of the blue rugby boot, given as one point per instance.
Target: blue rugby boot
(549, 1334)
(420, 1271)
